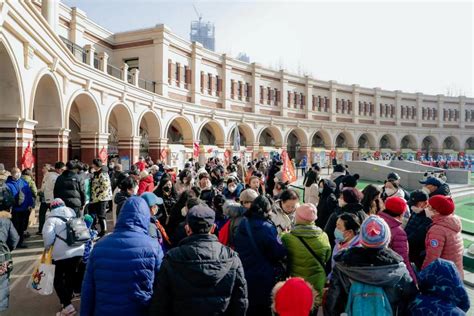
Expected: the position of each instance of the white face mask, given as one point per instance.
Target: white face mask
(426, 190)
(321, 190)
(231, 188)
(417, 210)
(390, 191)
(16, 176)
(184, 211)
(135, 190)
(428, 213)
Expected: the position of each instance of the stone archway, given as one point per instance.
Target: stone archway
(344, 140)
(429, 146)
(150, 135)
(83, 120)
(387, 141)
(122, 139)
(211, 133)
(270, 137)
(11, 111)
(297, 143)
(366, 141)
(409, 142)
(469, 144)
(247, 137)
(451, 143)
(320, 139)
(180, 135)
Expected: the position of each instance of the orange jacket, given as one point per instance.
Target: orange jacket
(444, 240)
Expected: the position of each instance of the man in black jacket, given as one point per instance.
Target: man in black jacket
(201, 276)
(70, 188)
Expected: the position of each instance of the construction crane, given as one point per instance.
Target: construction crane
(197, 13)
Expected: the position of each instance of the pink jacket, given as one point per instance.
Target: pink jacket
(444, 240)
(398, 240)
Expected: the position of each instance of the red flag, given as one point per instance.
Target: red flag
(103, 155)
(28, 160)
(196, 149)
(288, 170)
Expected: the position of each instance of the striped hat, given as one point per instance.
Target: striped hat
(374, 232)
(57, 202)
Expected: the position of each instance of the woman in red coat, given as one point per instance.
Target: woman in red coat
(146, 183)
(444, 239)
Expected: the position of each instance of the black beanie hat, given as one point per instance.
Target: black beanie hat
(339, 168)
(350, 181)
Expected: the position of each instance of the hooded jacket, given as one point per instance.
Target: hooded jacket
(301, 263)
(442, 190)
(101, 188)
(9, 236)
(48, 185)
(200, 277)
(121, 269)
(56, 226)
(146, 185)
(21, 193)
(442, 291)
(378, 267)
(398, 240)
(327, 203)
(444, 240)
(279, 218)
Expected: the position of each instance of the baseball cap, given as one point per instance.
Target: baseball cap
(433, 181)
(200, 217)
(151, 199)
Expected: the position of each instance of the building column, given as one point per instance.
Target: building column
(161, 45)
(377, 98)
(462, 112)
(154, 148)
(50, 11)
(90, 51)
(226, 85)
(255, 93)
(255, 149)
(129, 146)
(419, 109)
(398, 107)
(283, 94)
(196, 73)
(440, 110)
(355, 103)
(51, 146)
(103, 61)
(332, 100)
(15, 135)
(77, 26)
(91, 144)
(308, 99)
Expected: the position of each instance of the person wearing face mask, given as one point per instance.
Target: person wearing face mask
(166, 191)
(128, 187)
(417, 227)
(444, 239)
(283, 210)
(395, 208)
(434, 186)
(233, 189)
(393, 189)
(155, 229)
(346, 234)
(184, 182)
(280, 186)
(371, 201)
(349, 202)
(327, 201)
(23, 203)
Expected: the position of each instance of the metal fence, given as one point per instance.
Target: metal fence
(114, 71)
(147, 85)
(76, 50)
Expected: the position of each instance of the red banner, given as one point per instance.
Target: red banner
(196, 149)
(288, 170)
(103, 155)
(163, 154)
(227, 155)
(28, 160)
(332, 154)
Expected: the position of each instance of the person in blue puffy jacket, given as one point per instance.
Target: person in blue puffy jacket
(442, 291)
(122, 266)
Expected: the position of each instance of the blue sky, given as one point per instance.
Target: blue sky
(421, 46)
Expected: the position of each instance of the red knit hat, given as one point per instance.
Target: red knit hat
(442, 204)
(396, 205)
(294, 298)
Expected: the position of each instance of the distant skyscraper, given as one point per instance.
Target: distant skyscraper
(243, 57)
(204, 33)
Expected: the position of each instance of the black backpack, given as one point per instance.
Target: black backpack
(6, 197)
(77, 232)
(6, 262)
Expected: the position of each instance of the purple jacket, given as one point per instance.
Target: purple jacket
(398, 240)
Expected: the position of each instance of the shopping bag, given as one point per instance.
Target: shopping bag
(42, 278)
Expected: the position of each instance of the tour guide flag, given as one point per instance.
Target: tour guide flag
(196, 149)
(287, 170)
(27, 160)
(236, 139)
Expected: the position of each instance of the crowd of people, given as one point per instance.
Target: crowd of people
(237, 239)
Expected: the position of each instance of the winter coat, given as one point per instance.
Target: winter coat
(33, 188)
(444, 240)
(4, 174)
(56, 226)
(9, 236)
(48, 185)
(301, 263)
(416, 229)
(122, 266)
(119, 199)
(261, 266)
(101, 189)
(233, 195)
(280, 219)
(327, 203)
(378, 267)
(207, 195)
(228, 232)
(442, 291)
(398, 240)
(442, 190)
(70, 188)
(146, 185)
(311, 194)
(352, 208)
(200, 277)
(21, 193)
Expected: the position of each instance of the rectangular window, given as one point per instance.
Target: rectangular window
(132, 63)
(209, 83)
